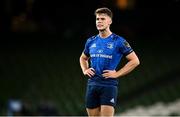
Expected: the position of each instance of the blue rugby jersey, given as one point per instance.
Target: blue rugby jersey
(105, 54)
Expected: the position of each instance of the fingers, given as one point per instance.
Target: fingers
(105, 75)
(89, 75)
(90, 72)
(106, 71)
(92, 69)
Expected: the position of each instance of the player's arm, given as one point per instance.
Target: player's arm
(132, 63)
(85, 65)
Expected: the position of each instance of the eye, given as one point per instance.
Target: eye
(102, 18)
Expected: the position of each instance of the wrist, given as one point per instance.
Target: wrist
(84, 71)
(117, 75)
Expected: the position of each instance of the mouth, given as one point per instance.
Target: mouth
(99, 25)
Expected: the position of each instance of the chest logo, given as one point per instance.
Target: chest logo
(110, 45)
(93, 45)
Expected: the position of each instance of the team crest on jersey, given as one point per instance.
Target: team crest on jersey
(110, 45)
(93, 45)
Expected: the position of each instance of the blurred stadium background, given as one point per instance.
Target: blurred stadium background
(40, 45)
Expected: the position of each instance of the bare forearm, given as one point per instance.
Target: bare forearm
(127, 68)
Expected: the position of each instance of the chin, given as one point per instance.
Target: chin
(101, 29)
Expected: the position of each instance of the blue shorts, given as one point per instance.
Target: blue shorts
(100, 95)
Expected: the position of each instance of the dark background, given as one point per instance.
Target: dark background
(41, 42)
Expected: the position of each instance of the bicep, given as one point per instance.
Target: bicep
(84, 56)
(132, 56)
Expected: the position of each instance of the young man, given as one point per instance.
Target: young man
(105, 51)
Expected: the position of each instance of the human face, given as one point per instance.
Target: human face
(103, 21)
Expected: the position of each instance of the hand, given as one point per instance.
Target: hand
(109, 74)
(89, 72)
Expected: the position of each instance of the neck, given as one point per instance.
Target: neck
(104, 33)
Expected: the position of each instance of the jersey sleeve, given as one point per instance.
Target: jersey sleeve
(86, 48)
(125, 47)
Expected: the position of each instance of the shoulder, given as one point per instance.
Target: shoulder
(91, 39)
(118, 38)
(121, 41)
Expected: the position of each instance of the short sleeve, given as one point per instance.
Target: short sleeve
(125, 47)
(86, 48)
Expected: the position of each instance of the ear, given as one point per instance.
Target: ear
(110, 21)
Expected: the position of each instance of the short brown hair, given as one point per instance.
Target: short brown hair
(104, 10)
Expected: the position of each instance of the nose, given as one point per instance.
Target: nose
(99, 21)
